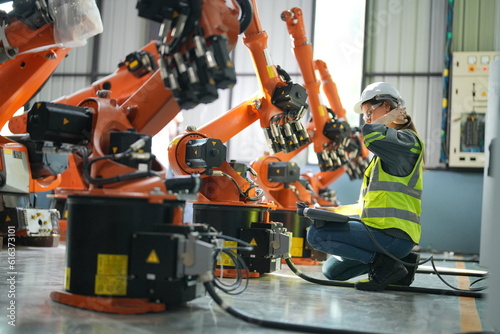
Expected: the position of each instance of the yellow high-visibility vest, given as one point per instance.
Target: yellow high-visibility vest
(393, 201)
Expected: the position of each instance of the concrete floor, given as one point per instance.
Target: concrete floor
(280, 296)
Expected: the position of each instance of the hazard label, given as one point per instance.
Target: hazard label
(112, 264)
(111, 277)
(67, 278)
(253, 242)
(110, 285)
(297, 247)
(270, 71)
(225, 259)
(153, 257)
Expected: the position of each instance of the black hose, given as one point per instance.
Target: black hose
(269, 323)
(246, 14)
(444, 292)
(325, 217)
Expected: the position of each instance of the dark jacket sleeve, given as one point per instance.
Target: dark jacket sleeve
(398, 149)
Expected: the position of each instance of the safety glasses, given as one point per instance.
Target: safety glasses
(368, 113)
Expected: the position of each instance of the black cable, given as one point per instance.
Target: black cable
(269, 323)
(449, 285)
(119, 178)
(259, 192)
(430, 258)
(478, 280)
(240, 266)
(443, 292)
(229, 238)
(338, 218)
(246, 14)
(242, 272)
(299, 273)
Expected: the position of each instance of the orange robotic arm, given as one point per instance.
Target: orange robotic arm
(28, 56)
(282, 104)
(329, 149)
(108, 110)
(336, 147)
(23, 70)
(278, 176)
(136, 93)
(279, 107)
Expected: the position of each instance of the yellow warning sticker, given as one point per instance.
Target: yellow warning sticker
(297, 247)
(253, 242)
(135, 63)
(110, 285)
(270, 71)
(65, 120)
(175, 141)
(7, 151)
(321, 110)
(115, 149)
(67, 278)
(112, 264)
(225, 259)
(153, 257)
(111, 278)
(7, 219)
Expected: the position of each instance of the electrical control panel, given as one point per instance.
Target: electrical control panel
(468, 105)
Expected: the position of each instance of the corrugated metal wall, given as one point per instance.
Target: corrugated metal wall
(124, 32)
(473, 28)
(405, 45)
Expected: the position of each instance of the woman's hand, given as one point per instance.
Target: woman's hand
(397, 116)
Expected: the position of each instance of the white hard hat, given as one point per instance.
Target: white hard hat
(379, 91)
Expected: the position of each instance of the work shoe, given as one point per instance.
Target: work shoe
(383, 271)
(408, 279)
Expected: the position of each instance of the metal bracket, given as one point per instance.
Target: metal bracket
(6, 52)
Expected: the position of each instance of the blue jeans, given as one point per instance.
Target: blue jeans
(350, 241)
